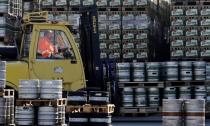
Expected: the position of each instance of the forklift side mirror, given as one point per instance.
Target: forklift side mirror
(74, 31)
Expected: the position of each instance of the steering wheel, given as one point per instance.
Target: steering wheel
(67, 53)
(63, 50)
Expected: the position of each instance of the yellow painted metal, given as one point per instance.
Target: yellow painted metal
(35, 17)
(73, 75)
(16, 70)
(40, 18)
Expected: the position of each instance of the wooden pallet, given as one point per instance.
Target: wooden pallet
(141, 84)
(41, 102)
(139, 110)
(87, 108)
(7, 93)
(185, 83)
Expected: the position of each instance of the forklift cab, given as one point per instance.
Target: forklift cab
(51, 42)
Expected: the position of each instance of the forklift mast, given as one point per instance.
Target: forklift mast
(90, 51)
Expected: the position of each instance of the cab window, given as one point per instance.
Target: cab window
(26, 41)
(54, 44)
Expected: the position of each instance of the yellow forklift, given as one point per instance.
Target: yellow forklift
(24, 60)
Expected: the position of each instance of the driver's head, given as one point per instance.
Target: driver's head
(49, 34)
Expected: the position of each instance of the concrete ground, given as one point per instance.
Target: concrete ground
(141, 121)
(136, 124)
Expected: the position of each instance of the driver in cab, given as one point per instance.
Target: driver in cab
(46, 48)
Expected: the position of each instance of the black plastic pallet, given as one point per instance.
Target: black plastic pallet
(53, 8)
(203, 2)
(190, 58)
(141, 8)
(141, 84)
(192, 2)
(185, 83)
(109, 8)
(139, 110)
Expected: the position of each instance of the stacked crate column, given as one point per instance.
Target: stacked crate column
(110, 32)
(192, 31)
(114, 28)
(8, 24)
(177, 29)
(204, 29)
(103, 36)
(128, 34)
(135, 30)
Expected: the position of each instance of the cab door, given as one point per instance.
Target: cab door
(65, 61)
